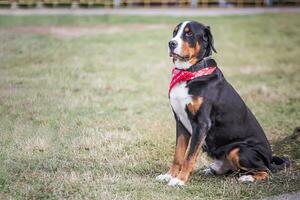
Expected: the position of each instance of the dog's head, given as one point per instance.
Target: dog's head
(191, 43)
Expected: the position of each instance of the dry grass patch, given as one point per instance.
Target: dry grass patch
(33, 144)
(88, 117)
(78, 31)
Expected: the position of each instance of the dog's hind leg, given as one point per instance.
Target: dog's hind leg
(249, 161)
(218, 167)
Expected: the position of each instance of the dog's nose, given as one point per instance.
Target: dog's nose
(173, 44)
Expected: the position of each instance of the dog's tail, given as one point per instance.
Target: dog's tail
(279, 163)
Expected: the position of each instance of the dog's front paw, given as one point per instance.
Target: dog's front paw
(246, 178)
(164, 177)
(176, 182)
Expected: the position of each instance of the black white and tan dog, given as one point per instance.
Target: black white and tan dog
(211, 116)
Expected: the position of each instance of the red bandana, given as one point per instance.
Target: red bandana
(183, 75)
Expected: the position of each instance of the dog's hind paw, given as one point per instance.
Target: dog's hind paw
(164, 177)
(176, 182)
(209, 172)
(246, 178)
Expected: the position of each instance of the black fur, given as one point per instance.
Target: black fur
(224, 120)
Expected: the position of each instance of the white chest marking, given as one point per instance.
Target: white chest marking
(179, 98)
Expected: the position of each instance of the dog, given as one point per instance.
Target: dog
(211, 116)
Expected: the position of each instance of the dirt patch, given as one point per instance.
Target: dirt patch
(78, 31)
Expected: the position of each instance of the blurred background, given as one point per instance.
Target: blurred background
(146, 3)
(84, 109)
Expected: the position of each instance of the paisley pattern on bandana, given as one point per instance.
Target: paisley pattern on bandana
(184, 75)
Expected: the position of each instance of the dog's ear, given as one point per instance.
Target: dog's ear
(210, 39)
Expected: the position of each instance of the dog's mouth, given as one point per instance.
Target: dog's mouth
(178, 57)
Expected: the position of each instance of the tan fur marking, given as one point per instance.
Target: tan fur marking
(185, 49)
(195, 104)
(193, 52)
(189, 164)
(181, 146)
(260, 175)
(234, 158)
(186, 29)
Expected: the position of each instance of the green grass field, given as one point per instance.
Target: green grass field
(84, 111)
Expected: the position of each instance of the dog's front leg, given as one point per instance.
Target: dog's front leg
(182, 141)
(190, 160)
(200, 123)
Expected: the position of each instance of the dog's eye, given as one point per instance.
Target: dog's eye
(174, 33)
(188, 34)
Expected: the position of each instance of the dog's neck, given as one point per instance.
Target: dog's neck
(186, 65)
(180, 64)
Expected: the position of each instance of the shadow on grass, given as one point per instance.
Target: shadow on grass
(289, 146)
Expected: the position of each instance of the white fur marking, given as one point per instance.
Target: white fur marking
(208, 172)
(178, 50)
(221, 166)
(246, 178)
(178, 39)
(164, 177)
(179, 98)
(182, 64)
(176, 182)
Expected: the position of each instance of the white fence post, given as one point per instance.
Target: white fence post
(269, 2)
(117, 3)
(194, 3)
(14, 5)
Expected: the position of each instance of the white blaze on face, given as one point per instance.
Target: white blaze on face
(178, 39)
(180, 64)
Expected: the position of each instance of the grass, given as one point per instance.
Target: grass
(87, 116)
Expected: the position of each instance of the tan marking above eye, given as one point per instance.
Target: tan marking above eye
(186, 29)
(176, 28)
